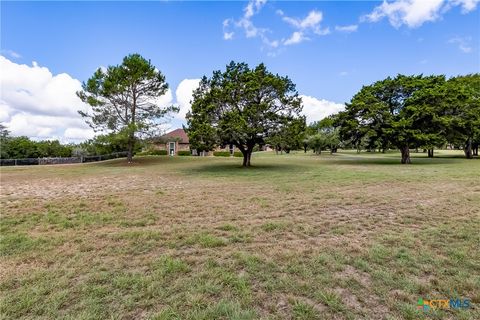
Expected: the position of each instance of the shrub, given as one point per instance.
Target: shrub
(238, 154)
(184, 153)
(157, 152)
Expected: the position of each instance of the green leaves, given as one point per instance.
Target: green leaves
(124, 95)
(414, 111)
(123, 98)
(241, 106)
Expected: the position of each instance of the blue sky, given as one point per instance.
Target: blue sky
(329, 48)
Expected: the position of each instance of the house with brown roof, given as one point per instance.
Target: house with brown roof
(177, 140)
(173, 141)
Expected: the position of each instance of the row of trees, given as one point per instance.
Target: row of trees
(248, 107)
(23, 147)
(408, 112)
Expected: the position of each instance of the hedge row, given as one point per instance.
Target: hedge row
(158, 152)
(187, 153)
(153, 152)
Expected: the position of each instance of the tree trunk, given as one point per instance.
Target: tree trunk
(430, 153)
(405, 154)
(130, 145)
(247, 155)
(468, 149)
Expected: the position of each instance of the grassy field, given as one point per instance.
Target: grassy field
(295, 237)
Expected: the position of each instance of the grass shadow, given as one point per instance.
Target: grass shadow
(389, 160)
(235, 169)
(139, 161)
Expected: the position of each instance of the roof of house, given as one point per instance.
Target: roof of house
(177, 134)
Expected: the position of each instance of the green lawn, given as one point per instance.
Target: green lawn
(345, 236)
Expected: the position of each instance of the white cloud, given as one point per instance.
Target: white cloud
(317, 109)
(165, 100)
(463, 43)
(303, 27)
(228, 35)
(347, 29)
(312, 20)
(245, 22)
(295, 38)
(184, 95)
(414, 13)
(322, 32)
(38, 104)
(77, 134)
(343, 73)
(309, 24)
(5, 111)
(253, 7)
(467, 5)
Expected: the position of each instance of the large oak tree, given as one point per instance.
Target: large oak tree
(243, 107)
(123, 99)
(391, 112)
(461, 112)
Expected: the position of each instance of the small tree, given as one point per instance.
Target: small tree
(123, 98)
(288, 137)
(243, 107)
(109, 143)
(327, 128)
(318, 142)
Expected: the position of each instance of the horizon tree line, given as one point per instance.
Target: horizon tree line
(248, 107)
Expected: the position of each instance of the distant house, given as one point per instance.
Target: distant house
(174, 141)
(177, 140)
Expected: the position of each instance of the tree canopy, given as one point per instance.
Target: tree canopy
(414, 111)
(243, 107)
(124, 98)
